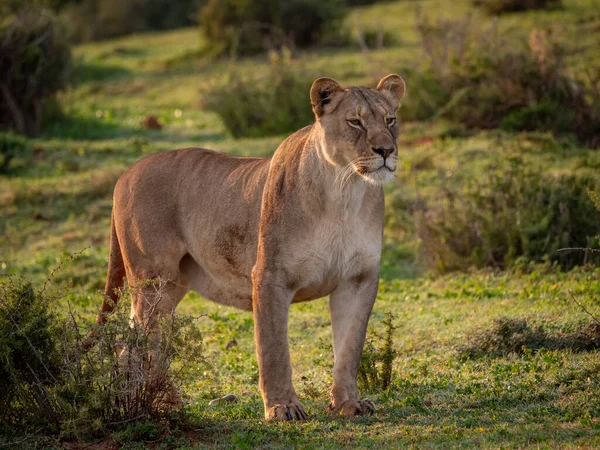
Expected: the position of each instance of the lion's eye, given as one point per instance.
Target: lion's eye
(354, 122)
(390, 121)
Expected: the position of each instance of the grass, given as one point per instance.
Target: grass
(57, 203)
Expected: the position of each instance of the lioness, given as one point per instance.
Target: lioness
(262, 233)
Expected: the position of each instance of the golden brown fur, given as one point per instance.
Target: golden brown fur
(260, 234)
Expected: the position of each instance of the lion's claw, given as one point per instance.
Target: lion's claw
(354, 408)
(293, 411)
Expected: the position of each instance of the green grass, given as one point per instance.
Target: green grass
(58, 202)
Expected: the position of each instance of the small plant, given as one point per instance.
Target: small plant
(507, 6)
(260, 106)
(35, 64)
(376, 365)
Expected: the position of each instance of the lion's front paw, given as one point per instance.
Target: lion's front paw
(354, 408)
(292, 411)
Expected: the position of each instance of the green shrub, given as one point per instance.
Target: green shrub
(11, 145)
(53, 383)
(514, 212)
(245, 26)
(251, 106)
(35, 64)
(92, 20)
(507, 6)
(481, 79)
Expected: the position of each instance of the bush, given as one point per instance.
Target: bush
(11, 145)
(29, 357)
(508, 335)
(514, 212)
(507, 6)
(245, 26)
(92, 20)
(53, 383)
(35, 64)
(483, 80)
(277, 103)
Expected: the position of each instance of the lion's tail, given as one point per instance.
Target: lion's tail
(115, 276)
(114, 280)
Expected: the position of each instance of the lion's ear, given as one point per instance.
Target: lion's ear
(393, 87)
(320, 94)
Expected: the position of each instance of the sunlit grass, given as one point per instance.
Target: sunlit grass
(58, 203)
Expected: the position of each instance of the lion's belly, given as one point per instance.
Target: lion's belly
(316, 259)
(219, 281)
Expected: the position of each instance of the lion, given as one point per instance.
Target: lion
(262, 233)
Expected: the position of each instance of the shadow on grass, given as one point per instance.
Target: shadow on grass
(85, 128)
(86, 72)
(42, 204)
(400, 427)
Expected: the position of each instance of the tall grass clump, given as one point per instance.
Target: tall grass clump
(514, 212)
(254, 106)
(484, 79)
(375, 371)
(55, 383)
(35, 64)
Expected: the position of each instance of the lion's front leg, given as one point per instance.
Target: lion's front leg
(350, 305)
(271, 303)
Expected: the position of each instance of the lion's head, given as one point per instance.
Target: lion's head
(359, 126)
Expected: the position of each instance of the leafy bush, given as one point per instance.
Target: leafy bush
(513, 212)
(54, 383)
(35, 64)
(92, 20)
(375, 369)
(11, 145)
(506, 6)
(484, 80)
(253, 106)
(245, 26)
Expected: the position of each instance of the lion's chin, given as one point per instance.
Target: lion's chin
(378, 177)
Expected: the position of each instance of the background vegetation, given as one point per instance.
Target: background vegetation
(490, 345)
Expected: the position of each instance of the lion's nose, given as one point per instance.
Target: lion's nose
(385, 152)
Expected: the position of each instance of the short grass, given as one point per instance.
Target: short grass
(56, 207)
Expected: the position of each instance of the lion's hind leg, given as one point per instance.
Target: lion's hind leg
(154, 299)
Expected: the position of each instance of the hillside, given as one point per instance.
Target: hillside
(55, 211)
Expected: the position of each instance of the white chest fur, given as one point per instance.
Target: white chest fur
(340, 245)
